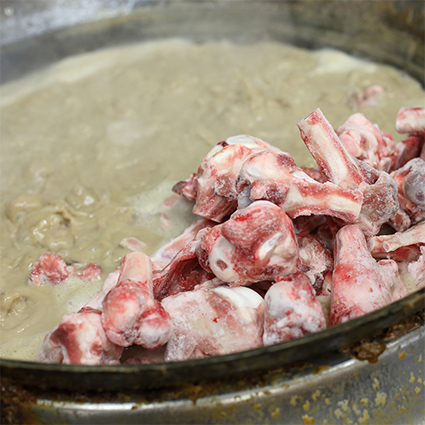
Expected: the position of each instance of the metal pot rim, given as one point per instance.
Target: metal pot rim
(80, 377)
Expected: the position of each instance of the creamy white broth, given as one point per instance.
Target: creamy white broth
(91, 146)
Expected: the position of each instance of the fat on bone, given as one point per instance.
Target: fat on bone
(79, 339)
(131, 315)
(380, 202)
(213, 322)
(216, 197)
(274, 177)
(360, 285)
(410, 121)
(256, 244)
(164, 255)
(291, 310)
(400, 246)
(410, 181)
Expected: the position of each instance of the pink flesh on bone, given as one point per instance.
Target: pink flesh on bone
(216, 196)
(359, 284)
(188, 187)
(380, 204)
(194, 304)
(90, 272)
(131, 315)
(380, 192)
(406, 150)
(79, 339)
(366, 142)
(390, 243)
(405, 253)
(316, 261)
(401, 221)
(274, 177)
(390, 271)
(182, 274)
(257, 243)
(410, 180)
(291, 310)
(50, 267)
(213, 322)
(410, 121)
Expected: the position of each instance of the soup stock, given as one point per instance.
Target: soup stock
(92, 146)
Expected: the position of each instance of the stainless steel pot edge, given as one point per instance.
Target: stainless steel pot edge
(335, 389)
(132, 377)
(386, 31)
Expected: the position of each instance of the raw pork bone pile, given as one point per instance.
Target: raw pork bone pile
(272, 240)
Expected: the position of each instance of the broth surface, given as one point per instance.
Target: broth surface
(91, 147)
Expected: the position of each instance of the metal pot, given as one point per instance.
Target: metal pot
(368, 370)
